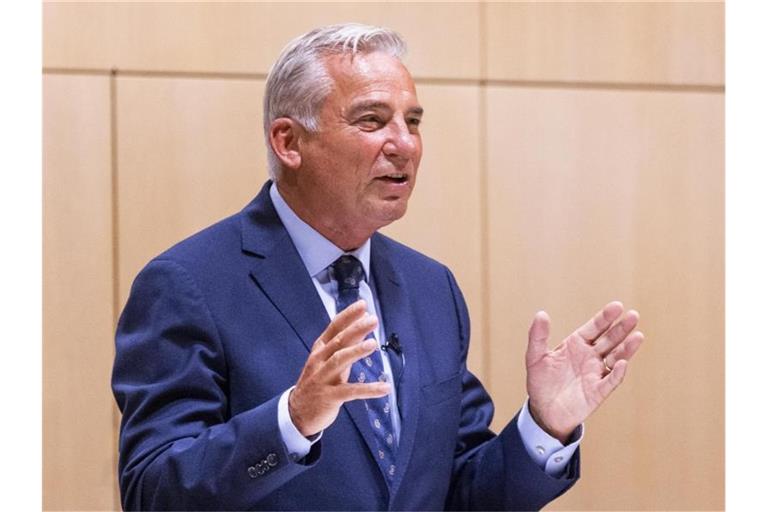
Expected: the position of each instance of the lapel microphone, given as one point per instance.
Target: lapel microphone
(393, 343)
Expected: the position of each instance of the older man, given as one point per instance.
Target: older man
(290, 357)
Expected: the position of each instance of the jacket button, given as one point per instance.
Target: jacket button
(252, 472)
(272, 460)
(261, 468)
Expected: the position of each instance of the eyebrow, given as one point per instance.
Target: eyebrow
(374, 105)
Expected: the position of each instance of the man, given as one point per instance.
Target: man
(290, 357)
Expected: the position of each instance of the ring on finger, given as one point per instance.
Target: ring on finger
(605, 364)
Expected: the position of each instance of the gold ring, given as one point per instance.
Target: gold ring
(605, 363)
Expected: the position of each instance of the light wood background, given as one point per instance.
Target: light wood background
(573, 155)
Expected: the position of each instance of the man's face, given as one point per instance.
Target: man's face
(362, 162)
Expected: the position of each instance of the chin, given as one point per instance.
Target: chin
(392, 212)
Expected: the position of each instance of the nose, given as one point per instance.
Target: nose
(402, 145)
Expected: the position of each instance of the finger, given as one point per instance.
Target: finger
(320, 349)
(351, 335)
(617, 333)
(626, 350)
(356, 391)
(344, 319)
(611, 381)
(342, 359)
(318, 344)
(599, 323)
(538, 336)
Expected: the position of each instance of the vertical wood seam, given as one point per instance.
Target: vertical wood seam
(115, 263)
(483, 181)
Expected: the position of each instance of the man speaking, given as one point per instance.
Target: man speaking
(290, 357)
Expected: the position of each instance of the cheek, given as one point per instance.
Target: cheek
(419, 151)
(352, 155)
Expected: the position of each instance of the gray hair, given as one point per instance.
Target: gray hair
(298, 82)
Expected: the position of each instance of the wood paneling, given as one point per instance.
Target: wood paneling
(449, 190)
(628, 42)
(190, 152)
(78, 430)
(601, 195)
(246, 37)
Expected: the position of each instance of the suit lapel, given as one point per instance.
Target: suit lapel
(279, 271)
(398, 318)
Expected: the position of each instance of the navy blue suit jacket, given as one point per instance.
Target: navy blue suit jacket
(217, 327)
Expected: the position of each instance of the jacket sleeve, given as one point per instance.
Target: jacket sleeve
(179, 447)
(494, 472)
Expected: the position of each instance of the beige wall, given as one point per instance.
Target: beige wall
(574, 154)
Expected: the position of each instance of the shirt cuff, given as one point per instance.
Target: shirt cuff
(548, 453)
(295, 443)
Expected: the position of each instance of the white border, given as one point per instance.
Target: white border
(21, 256)
(746, 253)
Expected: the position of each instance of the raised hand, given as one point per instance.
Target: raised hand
(567, 384)
(323, 385)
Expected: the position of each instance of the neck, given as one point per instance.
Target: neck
(347, 236)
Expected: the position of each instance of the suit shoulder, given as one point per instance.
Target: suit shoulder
(409, 257)
(208, 245)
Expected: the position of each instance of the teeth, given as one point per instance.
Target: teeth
(396, 176)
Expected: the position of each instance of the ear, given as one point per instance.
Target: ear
(284, 136)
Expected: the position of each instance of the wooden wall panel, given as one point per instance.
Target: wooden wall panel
(246, 37)
(600, 195)
(190, 152)
(78, 444)
(444, 214)
(635, 42)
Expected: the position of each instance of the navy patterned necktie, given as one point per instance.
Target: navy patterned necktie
(348, 272)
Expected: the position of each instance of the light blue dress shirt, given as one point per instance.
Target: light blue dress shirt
(318, 253)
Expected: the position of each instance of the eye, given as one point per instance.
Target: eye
(370, 122)
(413, 123)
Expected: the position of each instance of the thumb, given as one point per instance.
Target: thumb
(538, 336)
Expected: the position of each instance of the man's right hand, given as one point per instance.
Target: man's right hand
(323, 385)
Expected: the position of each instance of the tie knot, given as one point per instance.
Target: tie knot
(348, 272)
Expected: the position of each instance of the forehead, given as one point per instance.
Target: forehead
(371, 75)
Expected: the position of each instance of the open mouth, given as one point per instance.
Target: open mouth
(394, 178)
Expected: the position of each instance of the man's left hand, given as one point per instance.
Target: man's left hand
(567, 384)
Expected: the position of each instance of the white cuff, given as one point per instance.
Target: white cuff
(297, 445)
(548, 453)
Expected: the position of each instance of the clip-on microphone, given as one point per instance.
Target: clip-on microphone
(393, 343)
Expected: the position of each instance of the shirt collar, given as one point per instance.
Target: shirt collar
(316, 251)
